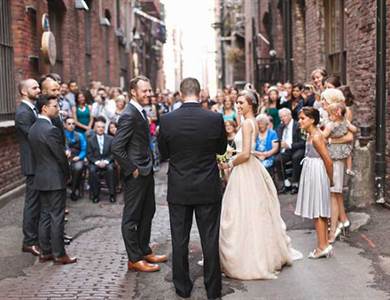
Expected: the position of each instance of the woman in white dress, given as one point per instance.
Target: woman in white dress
(253, 239)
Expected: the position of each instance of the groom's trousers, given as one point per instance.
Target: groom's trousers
(207, 219)
(137, 216)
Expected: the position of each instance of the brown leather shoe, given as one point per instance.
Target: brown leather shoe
(142, 266)
(34, 249)
(45, 258)
(153, 258)
(64, 260)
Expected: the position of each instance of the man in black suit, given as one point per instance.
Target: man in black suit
(131, 149)
(26, 114)
(51, 174)
(101, 161)
(292, 150)
(191, 137)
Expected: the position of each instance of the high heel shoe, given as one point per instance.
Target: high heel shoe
(327, 252)
(345, 226)
(336, 233)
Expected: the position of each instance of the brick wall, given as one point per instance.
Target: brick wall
(299, 42)
(11, 176)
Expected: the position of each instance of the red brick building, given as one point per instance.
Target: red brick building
(94, 40)
(287, 39)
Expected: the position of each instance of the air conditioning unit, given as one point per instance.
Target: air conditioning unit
(80, 4)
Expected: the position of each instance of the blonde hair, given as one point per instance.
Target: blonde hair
(334, 108)
(332, 96)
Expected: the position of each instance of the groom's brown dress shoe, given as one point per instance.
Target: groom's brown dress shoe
(34, 249)
(142, 266)
(64, 260)
(153, 258)
(45, 258)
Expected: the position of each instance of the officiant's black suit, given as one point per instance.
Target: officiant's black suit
(131, 149)
(24, 119)
(51, 174)
(191, 137)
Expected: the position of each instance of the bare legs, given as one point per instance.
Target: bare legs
(338, 213)
(321, 226)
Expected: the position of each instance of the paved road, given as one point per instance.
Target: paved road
(101, 271)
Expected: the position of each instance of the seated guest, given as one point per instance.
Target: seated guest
(267, 143)
(76, 151)
(112, 128)
(292, 149)
(101, 161)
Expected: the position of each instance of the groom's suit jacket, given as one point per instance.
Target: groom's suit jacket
(131, 144)
(191, 137)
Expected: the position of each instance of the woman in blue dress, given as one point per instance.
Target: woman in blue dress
(266, 143)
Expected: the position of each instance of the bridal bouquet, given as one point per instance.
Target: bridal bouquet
(225, 158)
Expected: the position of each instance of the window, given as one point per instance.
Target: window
(7, 87)
(334, 38)
(56, 17)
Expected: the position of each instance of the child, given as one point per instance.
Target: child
(313, 200)
(337, 127)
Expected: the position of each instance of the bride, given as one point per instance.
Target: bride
(253, 241)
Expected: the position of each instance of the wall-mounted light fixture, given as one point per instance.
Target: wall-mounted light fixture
(81, 4)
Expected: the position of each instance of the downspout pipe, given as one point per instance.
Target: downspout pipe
(287, 16)
(380, 102)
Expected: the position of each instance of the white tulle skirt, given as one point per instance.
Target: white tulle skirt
(253, 239)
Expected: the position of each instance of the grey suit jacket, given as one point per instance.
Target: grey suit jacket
(51, 165)
(131, 144)
(24, 119)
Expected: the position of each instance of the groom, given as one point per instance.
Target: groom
(191, 137)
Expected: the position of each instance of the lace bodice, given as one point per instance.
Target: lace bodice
(311, 151)
(238, 139)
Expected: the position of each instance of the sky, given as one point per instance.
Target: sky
(193, 18)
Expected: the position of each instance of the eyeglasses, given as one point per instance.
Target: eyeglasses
(71, 124)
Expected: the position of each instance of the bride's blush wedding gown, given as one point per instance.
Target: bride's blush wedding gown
(253, 240)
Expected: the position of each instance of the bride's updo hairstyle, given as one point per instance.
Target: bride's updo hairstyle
(311, 113)
(251, 97)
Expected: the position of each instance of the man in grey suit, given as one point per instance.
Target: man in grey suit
(51, 174)
(26, 114)
(131, 148)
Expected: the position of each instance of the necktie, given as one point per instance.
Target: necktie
(101, 144)
(144, 114)
(35, 111)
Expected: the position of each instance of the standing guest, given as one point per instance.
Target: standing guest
(103, 106)
(292, 149)
(318, 76)
(285, 97)
(218, 106)
(76, 151)
(228, 111)
(25, 117)
(308, 96)
(191, 137)
(267, 145)
(65, 106)
(332, 82)
(82, 114)
(230, 128)
(265, 91)
(177, 101)
(73, 90)
(112, 128)
(120, 105)
(296, 103)
(272, 110)
(51, 175)
(131, 148)
(317, 175)
(101, 161)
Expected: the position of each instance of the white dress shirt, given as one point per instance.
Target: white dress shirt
(288, 134)
(138, 107)
(32, 106)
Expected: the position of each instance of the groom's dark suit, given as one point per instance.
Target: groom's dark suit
(191, 137)
(131, 148)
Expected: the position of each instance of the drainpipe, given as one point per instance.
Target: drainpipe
(222, 31)
(287, 24)
(380, 102)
